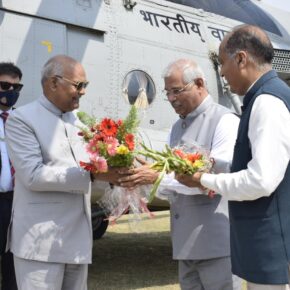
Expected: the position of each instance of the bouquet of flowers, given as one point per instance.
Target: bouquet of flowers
(111, 144)
(185, 159)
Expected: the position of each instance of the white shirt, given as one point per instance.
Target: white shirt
(222, 151)
(269, 135)
(6, 183)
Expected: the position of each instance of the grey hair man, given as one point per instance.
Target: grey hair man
(199, 224)
(258, 187)
(51, 234)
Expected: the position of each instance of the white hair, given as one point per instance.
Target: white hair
(190, 70)
(51, 68)
(56, 66)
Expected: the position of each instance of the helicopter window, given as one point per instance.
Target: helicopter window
(138, 89)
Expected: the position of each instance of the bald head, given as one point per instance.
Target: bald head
(63, 82)
(57, 65)
(251, 39)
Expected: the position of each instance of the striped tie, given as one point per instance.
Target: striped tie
(4, 115)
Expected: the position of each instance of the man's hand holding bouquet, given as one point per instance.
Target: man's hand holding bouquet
(184, 161)
(110, 145)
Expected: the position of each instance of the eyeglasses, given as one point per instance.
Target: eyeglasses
(5, 86)
(78, 85)
(177, 92)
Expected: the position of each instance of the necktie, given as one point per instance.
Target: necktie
(4, 115)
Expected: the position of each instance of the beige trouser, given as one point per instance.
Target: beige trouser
(253, 286)
(36, 275)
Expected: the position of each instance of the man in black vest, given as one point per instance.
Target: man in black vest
(259, 186)
(10, 76)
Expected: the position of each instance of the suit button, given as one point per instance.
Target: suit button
(176, 215)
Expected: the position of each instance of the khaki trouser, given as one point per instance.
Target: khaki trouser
(253, 286)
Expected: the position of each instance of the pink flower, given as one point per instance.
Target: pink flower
(112, 144)
(99, 162)
(92, 147)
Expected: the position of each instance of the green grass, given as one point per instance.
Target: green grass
(124, 260)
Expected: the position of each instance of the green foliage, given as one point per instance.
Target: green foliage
(87, 134)
(121, 160)
(166, 161)
(102, 147)
(86, 119)
(96, 133)
(130, 124)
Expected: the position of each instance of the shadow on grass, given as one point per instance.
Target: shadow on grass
(146, 217)
(126, 261)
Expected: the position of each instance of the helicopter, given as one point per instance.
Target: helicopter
(124, 45)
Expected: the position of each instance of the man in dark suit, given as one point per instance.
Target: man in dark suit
(10, 76)
(259, 185)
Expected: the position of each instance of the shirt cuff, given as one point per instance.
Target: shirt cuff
(208, 180)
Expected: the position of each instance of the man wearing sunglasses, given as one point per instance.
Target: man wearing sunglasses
(199, 224)
(51, 233)
(10, 76)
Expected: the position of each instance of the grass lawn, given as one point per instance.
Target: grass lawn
(124, 259)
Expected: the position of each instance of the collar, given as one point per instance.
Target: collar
(8, 111)
(50, 106)
(256, 85)
(208, 100)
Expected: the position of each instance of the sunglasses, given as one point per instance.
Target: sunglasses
(78, 85)
(5, 86)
